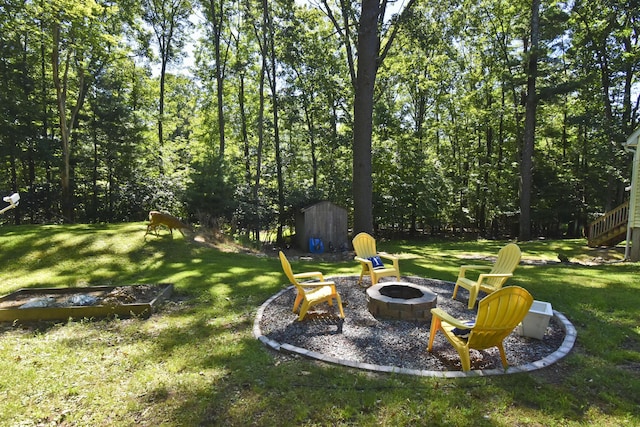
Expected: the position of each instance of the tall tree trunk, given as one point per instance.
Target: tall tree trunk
(273, 82)
(217, 17)
(60, 82)
(370, 56)
(526, 162)
(168, 20)
(368, 46)
(243, 131)
(163, 73)
(344, 31)
(93, 212)
(44, 130)
(256, 187)
(220, 93)
(308, 115)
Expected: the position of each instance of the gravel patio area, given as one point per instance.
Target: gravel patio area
(395, 343)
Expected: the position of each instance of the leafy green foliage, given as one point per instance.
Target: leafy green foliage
(211, 192)
(448, 113)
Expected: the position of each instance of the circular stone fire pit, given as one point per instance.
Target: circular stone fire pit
(401, 300)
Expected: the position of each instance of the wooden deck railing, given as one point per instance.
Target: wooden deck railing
(609, 221)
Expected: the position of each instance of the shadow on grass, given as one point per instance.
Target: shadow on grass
(203, 366)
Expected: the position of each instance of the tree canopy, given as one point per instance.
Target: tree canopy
(498, 118)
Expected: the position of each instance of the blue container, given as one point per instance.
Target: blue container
(316, 246)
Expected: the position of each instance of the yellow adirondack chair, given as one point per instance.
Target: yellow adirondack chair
(310, 293)
(365, 247)
(498, 314)
(508, 259)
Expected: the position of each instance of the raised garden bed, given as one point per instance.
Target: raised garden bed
(35, 304)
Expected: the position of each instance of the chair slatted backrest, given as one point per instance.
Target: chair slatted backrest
(507, 261)
(498, 314)
(286, 266)
(364, 245)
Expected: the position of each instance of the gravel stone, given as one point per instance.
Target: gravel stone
(398, 343)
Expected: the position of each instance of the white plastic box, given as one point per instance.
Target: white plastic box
(536, 321)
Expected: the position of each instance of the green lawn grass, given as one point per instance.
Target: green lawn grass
(197, 362)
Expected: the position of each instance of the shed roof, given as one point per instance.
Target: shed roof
(321, 203)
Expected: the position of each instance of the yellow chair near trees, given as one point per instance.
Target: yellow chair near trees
(507, 261)
(498, 314)
(371, 260)
(310, 293)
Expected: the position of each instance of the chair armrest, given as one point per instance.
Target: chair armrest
(364, 260)
(309, 274)
(476, 267)
(387, 256)
(314, 285)
(392, 258)
(489, 275)
(318, 284)
(464, 268)
(443, 315)
(384, 255)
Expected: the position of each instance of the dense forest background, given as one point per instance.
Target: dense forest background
(101, 118)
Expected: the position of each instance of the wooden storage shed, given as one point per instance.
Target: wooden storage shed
(323, 220)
